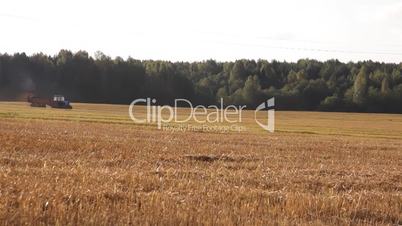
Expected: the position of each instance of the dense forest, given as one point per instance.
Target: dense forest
(304, 85)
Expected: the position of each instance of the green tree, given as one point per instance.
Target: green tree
(237, 76)
(385, 89)
(360, 87)
(1, 74)
(252, 90)
(330, 103)
(396, 76)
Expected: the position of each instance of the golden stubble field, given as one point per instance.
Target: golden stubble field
(93, 166)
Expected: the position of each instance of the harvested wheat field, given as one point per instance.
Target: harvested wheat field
(93, 166)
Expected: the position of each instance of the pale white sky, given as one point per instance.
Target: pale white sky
(207, 29)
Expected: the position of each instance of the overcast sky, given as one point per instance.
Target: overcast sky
(207, 29)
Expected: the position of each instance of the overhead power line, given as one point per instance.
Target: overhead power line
(383, 52)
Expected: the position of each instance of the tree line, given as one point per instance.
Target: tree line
(303, 85)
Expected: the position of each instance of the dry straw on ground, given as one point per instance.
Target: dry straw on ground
(109, 172)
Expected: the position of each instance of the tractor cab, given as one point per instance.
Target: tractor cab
(58, 98)
(60, 102)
